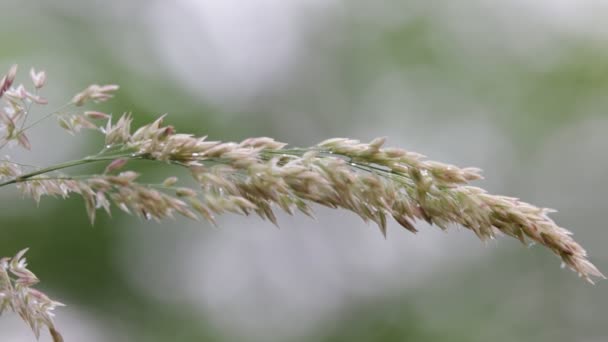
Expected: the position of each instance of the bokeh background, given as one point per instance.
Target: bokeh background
(518, 88)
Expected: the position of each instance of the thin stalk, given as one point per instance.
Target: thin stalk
(23, 129)
(61, 166)
(46, 116)
(364, 166)
(27, 113)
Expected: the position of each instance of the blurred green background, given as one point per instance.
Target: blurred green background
(518, 88)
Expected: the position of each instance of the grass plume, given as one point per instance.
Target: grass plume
(259, 175)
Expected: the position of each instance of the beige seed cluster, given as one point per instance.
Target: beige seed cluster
(18, 295)
(372, 181)
(260, 174)
(257, 176)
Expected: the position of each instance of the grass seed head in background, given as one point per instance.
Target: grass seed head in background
(259, 175)
(18, 295)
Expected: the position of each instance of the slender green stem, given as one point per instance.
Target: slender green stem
(16, 163)
(109, 153)
(27, 113)
(364, 166)
(23, 129)
(87, 160)
(48, 115)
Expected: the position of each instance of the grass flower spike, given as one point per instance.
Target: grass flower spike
(17, 295)
(257, 176)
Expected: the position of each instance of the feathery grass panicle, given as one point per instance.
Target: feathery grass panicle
(259, 175)
(18, 295)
